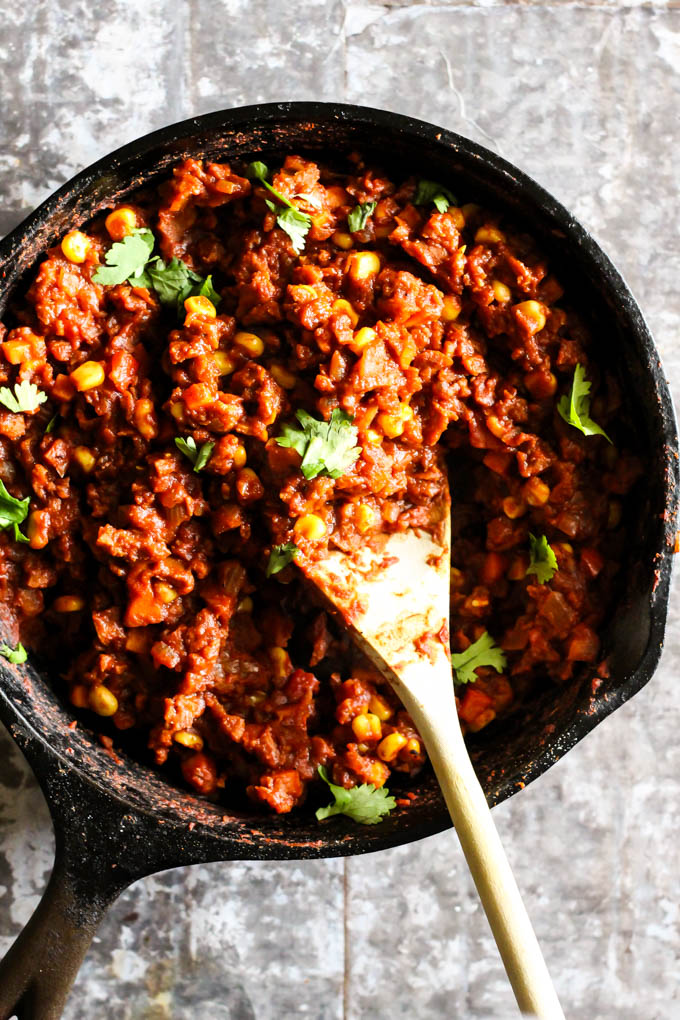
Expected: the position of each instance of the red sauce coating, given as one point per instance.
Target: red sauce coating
(427, 328)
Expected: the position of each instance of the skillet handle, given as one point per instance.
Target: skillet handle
(37, 973)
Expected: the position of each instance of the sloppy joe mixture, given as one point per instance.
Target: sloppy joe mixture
(246, 364)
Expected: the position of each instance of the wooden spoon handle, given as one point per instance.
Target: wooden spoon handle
(519, 949)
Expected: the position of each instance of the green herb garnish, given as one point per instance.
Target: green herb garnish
(295, 223)
(359, 215)
(126, 259)
(365, 804)
(49, 428)
(26, 397)
(326, 447)
(575, 407)
(484, 652)
(199, 457)
(543, 560)
(432, 192)
(174, 282)
(15, 655)
(13, 512)
(280, 557)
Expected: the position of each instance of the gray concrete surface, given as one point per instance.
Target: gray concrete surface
(584, 96)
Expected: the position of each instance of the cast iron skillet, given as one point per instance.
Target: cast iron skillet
(117, 821)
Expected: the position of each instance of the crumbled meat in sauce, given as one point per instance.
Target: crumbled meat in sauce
(427, 329)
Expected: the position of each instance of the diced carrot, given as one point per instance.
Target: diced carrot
(474, 702)
(198, 395)
(123, 370)
(493, 568)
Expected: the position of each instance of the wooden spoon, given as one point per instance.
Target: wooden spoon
(393, 595)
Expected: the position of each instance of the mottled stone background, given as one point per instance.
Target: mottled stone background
(584, 96)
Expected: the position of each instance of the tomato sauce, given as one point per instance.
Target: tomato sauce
(427, 329)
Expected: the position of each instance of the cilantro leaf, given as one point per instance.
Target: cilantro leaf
(170, 279)
(295, 223)
(26, 397)
(126, 259)
(575, 408)
(543, 560)
(206, 289)
(15, 655)
(174, 282)
(359, 215)
(280, 557)
(326, 447)
(483, 652)
(199, 457)
(13, 512)
(365, 804)
(431, 192)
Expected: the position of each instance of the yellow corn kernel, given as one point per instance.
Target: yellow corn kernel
(536, 492)
(225, 364)
(75, 246)
(533, 314)
(389, 748)
(373, 437)
(342, 240)
(283, 376)
(36, 530)
(240, 457)
(188, 739)
(367, 727)
(451, 309)
(364, 517)
(245, 605)
(341, 305)
(136, 640)
(280, 661)
(310, 527)
(103, 701)
(614, 514)
(413, 747)
(481, 720)
(513, 508)
(200, 305)
(495, 427)
(79, 696)
(121, 222)
(362, 338)
(250, 344)
(501, 292)
(457, 578)
(393, 424)
(88, 375)
(380, 708)
(364, 265)
(68, 604)
(84, 458)
(165, 593)
(144, 419)
(489, 235)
